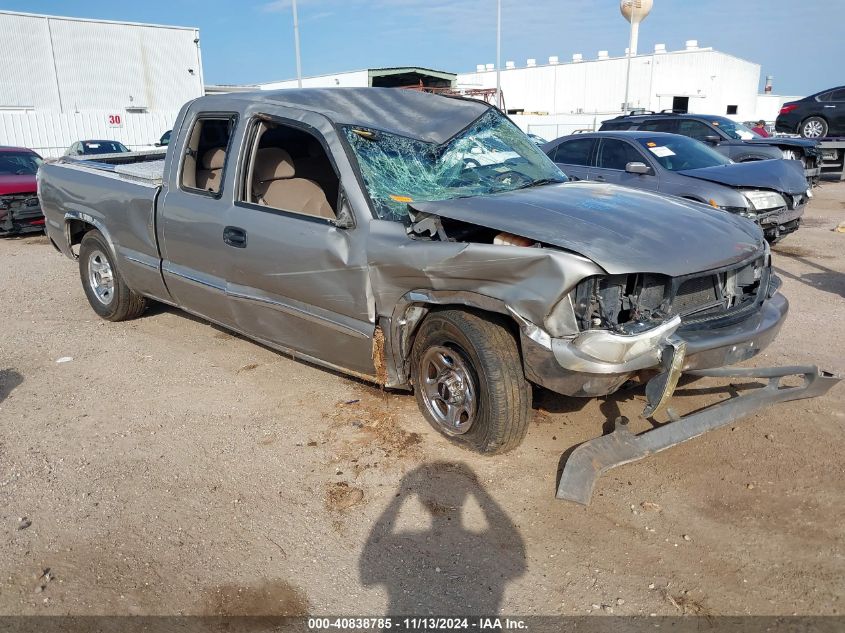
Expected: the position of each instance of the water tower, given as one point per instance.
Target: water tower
(635, 11)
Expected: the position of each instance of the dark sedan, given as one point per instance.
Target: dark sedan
(773, 193)
(87, 148)
(817, 116)
(734, 140)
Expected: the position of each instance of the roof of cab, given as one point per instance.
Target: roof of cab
(418, 115)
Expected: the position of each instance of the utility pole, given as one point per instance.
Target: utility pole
(296, 44)
(498, 53)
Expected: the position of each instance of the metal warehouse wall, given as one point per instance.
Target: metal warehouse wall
(62, 79)
(51, 133)
(351, 79)
(711, 79)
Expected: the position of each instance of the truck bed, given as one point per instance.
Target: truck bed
(145, 167)
(117, 194)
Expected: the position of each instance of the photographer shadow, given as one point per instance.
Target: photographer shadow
(454, 566)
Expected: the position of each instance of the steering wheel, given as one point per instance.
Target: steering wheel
(512, 177)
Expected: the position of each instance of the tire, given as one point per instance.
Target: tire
(107, 293)
(468, 381)
(813, 127)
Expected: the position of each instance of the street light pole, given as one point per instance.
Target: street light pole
(296, 44)
(498, 53)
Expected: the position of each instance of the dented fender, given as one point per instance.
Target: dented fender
(409, 276)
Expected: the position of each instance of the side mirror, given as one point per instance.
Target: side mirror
(158, 145)
(637, 168)
(344, 219)
(712, 139)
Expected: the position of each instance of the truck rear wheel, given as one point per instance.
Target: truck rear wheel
(468, 381)
(107, 293)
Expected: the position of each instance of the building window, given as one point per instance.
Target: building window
(731, 109)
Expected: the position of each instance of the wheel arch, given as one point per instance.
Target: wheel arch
(401, 327)
(77, 224)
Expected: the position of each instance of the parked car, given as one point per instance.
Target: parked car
(772, 193)
(164, 141)
(345, 226)
(817, 116)
(87, 148)
(734, 140)
(20, 211)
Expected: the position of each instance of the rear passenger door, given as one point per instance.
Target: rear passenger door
(612, 156)
(834, 111)
(574, 156)
(191, 216)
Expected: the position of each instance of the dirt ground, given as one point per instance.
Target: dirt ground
(170, 467)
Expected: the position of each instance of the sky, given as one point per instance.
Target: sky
(800, 42)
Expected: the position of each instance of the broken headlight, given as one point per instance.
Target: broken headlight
(622, 303)
(763, 200)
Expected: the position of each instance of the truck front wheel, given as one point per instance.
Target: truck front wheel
(468, 381)
(107, 293)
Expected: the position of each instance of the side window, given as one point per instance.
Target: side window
(608, 126)
(575, 152)
(825, 96)
(615, 154)
(659, 125)
(838, 95)
(694, 129)
(205, 157)
(289, 170)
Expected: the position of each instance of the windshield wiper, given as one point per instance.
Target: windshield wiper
(539, 182)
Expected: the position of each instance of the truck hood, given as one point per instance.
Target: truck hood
(780, 175)
(11, 183)
(622, 230)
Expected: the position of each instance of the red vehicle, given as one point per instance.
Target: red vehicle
(20, 211)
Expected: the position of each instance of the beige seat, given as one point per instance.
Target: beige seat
(211, 174)
(274, 185)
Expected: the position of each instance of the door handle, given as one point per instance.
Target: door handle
(234, 236)
(600, 178)
(832, 106)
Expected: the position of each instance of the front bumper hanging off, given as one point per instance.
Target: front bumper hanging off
(593, 458)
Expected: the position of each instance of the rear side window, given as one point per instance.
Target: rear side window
(838, 95)
(615, 154)
(574, 152)
(608, 126)
(694, 129)
(205, 156)
(659, 125)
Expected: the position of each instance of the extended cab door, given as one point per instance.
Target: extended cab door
(192, 213)
(612, 156)
(295, 277)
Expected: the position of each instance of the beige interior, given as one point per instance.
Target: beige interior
(210, 176)
(274, 184)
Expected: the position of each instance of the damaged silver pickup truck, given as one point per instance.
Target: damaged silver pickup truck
(424, 242)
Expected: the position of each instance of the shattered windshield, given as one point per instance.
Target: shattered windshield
(490, 156)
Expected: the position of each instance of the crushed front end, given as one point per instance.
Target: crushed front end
(625, 324)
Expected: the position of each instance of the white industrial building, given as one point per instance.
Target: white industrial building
(65, 79)
(556, 98)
